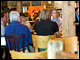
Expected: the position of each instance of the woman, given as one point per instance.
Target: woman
(23, 21)
(45, 26)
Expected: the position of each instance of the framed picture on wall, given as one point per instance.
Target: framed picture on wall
(25, 3)
(12, 4)
(36, 3)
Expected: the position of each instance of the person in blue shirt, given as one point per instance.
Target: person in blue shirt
(17, 28)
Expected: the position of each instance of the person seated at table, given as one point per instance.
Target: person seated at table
(26, 12)
(4, 20)
(45, 26)
(56, 18)
(17, 28)
(23, 21)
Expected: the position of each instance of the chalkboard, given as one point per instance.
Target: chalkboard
(25, 3)
(36, 3)
(12, 4)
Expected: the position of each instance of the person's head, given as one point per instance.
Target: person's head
(45, 14)
(4, 17)
(26, 12)
(14, 16)
(58, 14)
(34, 15)
(22, 17)
(54, 13)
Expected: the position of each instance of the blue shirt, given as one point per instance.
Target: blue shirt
(16, 28)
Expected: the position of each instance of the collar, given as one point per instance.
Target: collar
(55, 20)
(2, 23)
(15, 22)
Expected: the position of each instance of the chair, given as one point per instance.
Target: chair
(70, 43)
(19, 55)
(13, 37)
(60, 48)
(40, 41)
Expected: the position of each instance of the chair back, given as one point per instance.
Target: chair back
(41, 41)
(70, 43)
(11, 38)
(60, 48)
(53, 47)
(19, 55)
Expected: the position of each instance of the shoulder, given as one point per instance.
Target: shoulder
(59, 18)
(53, 22)
(23, 26)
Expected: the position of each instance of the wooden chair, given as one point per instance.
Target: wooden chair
(40, 41)
(70, 43)
(12, 38)
(62, 50)
(19, 55)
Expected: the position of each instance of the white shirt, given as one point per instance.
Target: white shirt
(2, 29)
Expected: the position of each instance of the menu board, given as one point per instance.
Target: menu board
(36, 3)
(12, 3)
(25, 3)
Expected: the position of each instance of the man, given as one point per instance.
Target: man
(17, 28)
(56, 18)
(4, 20)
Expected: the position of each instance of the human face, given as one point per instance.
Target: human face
(23, 19)
(35, 14)
(54, 14)
(5, 19)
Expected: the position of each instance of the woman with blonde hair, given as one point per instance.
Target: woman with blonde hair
(45, 26)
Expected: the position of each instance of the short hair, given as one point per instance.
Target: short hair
(14, 15)
(45, 14)
(22, 14)
(54, 9)
(2, 14)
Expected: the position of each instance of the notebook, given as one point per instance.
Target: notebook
(3, 41)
